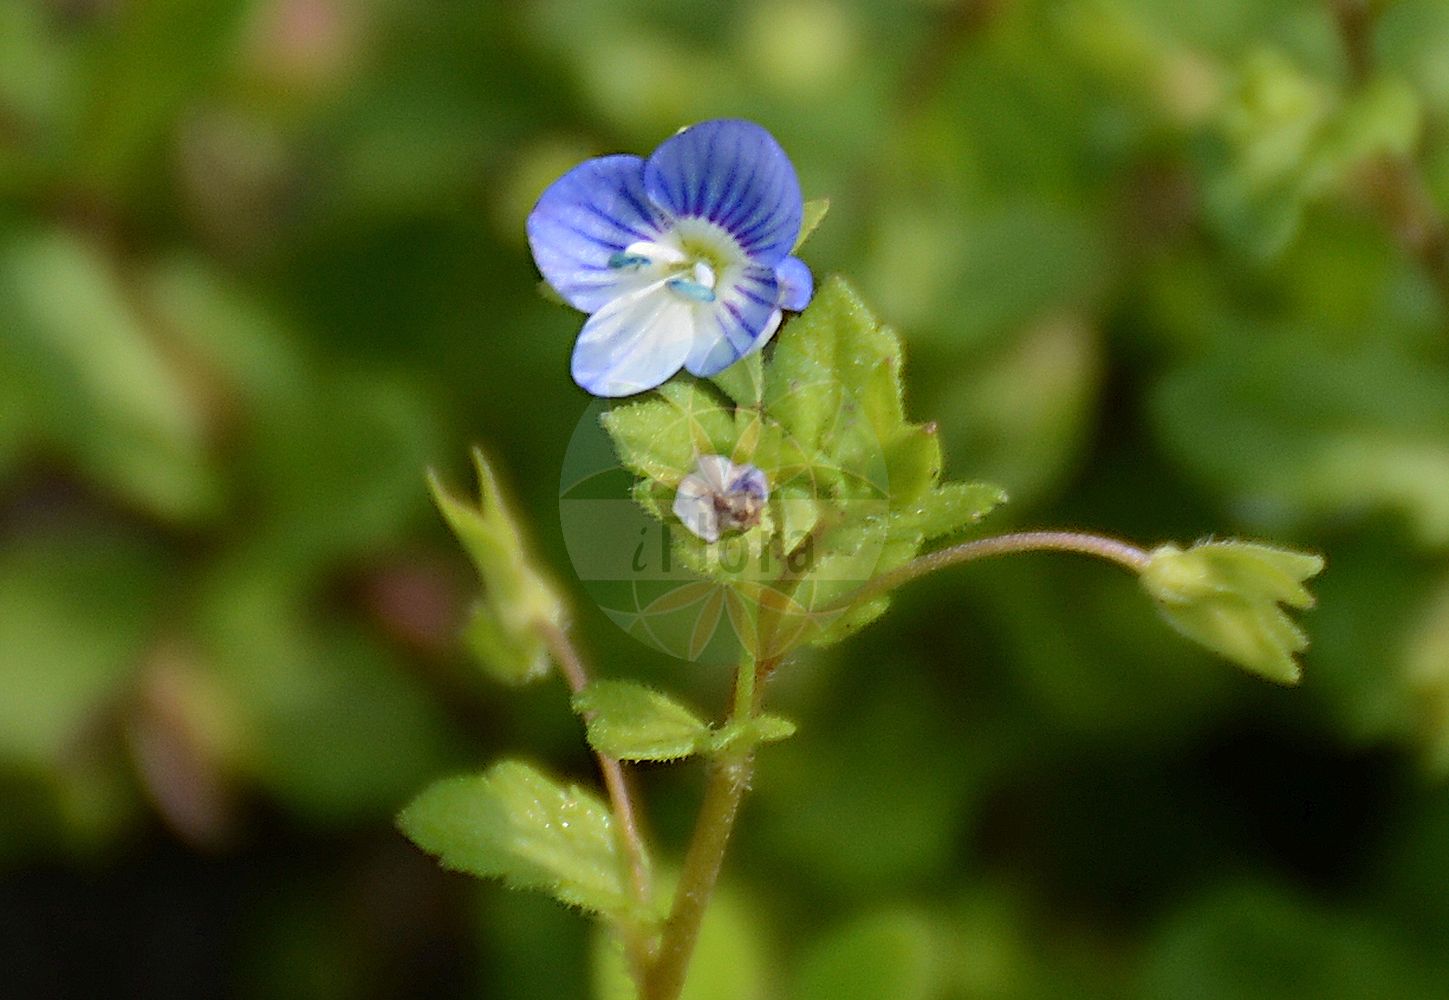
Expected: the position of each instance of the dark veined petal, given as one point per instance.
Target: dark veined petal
(743, 316)
(734, 174)
(635, 342)
(586, 217)
(797, 284)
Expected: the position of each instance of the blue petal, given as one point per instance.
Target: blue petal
(742, 317)
(634, 343)
(586, 217)
(749, 479)
(797, 285)
(734, 174)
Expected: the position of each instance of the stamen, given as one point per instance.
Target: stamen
(690, 289)
(623, 259)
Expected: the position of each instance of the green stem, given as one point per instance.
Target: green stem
(729, 779)
(1111, 549)
(631, 840)
(744, 691)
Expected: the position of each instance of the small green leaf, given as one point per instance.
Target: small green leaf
(633, 722)
(800, 387)
(751, 733)
(550, 294)
(797, 514)
(650, 439)
(661, 435)
(772, 728)
(1225, 595)
(949, 508)
(744, 381)
(518, 825)
(834, 385)
(833, 627)
(810, 218)
(655, 497)
(913, 464)
(850, 556)
(505, 629)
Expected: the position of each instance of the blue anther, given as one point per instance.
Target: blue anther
(620, 260)
(691, 289)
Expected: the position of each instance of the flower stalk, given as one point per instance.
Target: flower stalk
(631, 839)
(1114, 550)
(729, 778)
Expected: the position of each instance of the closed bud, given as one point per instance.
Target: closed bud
(1227, 596)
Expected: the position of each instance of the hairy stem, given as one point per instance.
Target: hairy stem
(576, 675)
(1111, 549)
(729, 779)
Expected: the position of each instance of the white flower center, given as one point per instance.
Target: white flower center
(687, 260)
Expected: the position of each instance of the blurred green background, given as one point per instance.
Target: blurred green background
(1163, 269)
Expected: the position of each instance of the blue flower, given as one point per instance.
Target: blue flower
(681, 260)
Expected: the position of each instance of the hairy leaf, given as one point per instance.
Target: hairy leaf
(634, 722)
(514, 823)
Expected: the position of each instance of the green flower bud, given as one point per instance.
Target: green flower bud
(505, 633)
(1227, 596)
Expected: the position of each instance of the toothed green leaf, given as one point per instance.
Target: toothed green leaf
(661, 435)
(514, 823)
(949, 508)
(744, 381)
(632, 722)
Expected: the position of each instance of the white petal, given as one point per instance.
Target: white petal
(694, 506)
(634, 343)
(716, 471)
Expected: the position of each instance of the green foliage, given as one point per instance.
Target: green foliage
(882, 955)
(1316, 433)
(659, 435)
(814, 213)
(1250, 941)
(855, 485)
(260, 263)
(504, 632)
(730, 959)
(73, 332)
(1294, 140)
(57, 668)
(764, 728)
(632, 722)
(514, 823)
(1225, 595)
(951, 508)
